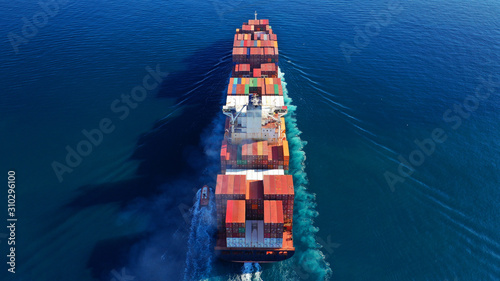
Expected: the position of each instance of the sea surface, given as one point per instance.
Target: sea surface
(394, 126)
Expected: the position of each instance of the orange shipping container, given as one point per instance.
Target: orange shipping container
(230, 184)
(267, 211)
(286, 153)
(291, 190)
(274, 212)
(218, 186)
(279, 213)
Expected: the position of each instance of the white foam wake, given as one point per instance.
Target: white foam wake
(310, 261)
(200, 253)
(249, 272)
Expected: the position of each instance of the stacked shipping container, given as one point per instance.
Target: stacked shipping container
(235, 223)
(229, 187)
(280, 188)
(255, 200)
(255, 85)
(255, 155)
(239, 200)
(273, 224)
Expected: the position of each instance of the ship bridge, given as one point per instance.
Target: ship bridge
(255, 118)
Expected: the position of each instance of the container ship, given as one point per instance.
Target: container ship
(254, 194)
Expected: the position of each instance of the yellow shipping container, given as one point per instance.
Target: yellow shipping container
(286, 153)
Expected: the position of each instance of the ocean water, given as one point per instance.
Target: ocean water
(394, 126)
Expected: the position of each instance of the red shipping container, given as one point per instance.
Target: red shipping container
(229, 213)
(267, 213)
(254, 151)
(223, 152)
(256, 52)
(269, 51)
(279, 210)
(244, 67)
(257, 72)
(230, 184)
(218, 186)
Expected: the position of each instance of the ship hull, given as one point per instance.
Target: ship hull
(253, 255)
(254, 193)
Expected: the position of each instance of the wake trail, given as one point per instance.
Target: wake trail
(200, 255)
(249, 272)
(309, 261)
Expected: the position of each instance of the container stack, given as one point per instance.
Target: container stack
(247, 28)
(276, 157)
(235, 223)
(273, 224)
(260, 43)
(228, 187)
(243, 86)
(257, 72)
(240, 55)
(280, 188)
(255, 155)
(257, 56)
(255, 200)
(241, 69)
(268, 69)
(286, 154)
(273, 87)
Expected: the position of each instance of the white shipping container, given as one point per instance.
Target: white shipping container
(271, 101)
(268, 243)
(236, 172)
(260, 175)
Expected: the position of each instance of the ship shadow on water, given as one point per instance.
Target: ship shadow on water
(172, 166)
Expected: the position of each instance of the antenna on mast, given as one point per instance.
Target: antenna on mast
(255, 15)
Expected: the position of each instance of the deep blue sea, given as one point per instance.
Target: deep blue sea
(110, 117)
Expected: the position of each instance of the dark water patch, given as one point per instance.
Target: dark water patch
(172, 166)
(109, 255)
